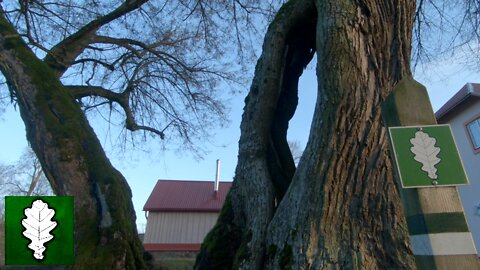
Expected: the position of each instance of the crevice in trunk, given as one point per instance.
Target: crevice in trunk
(340, 209)
(300, 49)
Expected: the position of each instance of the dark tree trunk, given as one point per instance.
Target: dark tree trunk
(72, 159)
(340, 208)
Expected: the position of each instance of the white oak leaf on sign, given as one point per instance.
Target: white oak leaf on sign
(426, 153)
(38, 225)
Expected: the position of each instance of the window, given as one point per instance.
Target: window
(473, 129)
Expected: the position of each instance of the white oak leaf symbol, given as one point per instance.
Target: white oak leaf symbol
(426, 152)
(38, 225)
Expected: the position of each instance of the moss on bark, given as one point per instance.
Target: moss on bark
(219, 248)
(286, 258)
(72, 158)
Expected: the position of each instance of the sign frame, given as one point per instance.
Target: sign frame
(59, 251)
(453, 155)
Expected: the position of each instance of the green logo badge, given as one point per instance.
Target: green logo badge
(427, 156)
(39, 230)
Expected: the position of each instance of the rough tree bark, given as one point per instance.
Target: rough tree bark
(72, 159)
(339, 209)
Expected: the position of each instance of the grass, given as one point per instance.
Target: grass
(174, 264)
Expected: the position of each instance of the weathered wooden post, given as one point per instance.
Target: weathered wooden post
(439, 234)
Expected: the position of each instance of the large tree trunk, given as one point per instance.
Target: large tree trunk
(340, 208)
(72, 159)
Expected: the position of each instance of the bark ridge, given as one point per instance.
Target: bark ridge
(340, 208)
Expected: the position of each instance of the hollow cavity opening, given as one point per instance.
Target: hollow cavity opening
(299, 125)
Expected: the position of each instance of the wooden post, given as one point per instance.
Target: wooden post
(439, 233)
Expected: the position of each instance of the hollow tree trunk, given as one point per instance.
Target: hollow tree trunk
(72, 159)
(341, 209)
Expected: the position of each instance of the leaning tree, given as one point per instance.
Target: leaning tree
(339, 208)
(159, 66)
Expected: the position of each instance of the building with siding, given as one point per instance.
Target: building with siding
(181, 213)
(462, 112)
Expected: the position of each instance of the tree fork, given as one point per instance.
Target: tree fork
(74, 162)
(342, 208)
(251, 201)
(300, 48)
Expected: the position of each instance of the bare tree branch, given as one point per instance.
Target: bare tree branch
(138, 58)
(443, 28)
(61, 56)
(121, 99)
(24, 177)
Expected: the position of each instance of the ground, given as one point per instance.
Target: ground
(170, 261)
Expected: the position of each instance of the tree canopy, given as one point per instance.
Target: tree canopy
(161, 67)
(157, 67)
(446, 29)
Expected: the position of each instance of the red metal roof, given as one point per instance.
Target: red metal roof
(469, 90)
(152, 247)
(186, 196)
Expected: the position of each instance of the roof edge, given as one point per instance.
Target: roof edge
(468, 90)
(194, 181)
(183, 210)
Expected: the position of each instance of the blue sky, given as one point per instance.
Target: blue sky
(443, 78)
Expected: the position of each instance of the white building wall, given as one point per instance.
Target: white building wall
(178, 227)
(470, 194)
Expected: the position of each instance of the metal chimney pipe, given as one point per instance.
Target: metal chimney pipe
(217, 176)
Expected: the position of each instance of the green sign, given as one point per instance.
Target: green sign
(39, 230)
(427, 156)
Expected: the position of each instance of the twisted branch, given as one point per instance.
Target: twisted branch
(122, 99)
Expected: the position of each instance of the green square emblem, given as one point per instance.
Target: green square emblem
(39, 230)
(427, 156)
